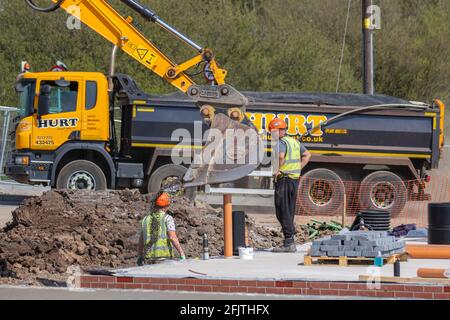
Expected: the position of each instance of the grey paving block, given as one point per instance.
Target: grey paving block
(329, 248)
(394, 245)
(390, 239)
(352, 243)
(341, 237)
(317, 243)
(361, 238)
(376, 242)
(368, 235)
(316, 253)
(332, 242)
(368, 243)
(362, 249)
(369, 254)
(346, 248)
(386, 247)
(336, 253)
(353, 254)
(380, 234)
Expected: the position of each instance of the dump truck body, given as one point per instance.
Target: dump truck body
(409, 134)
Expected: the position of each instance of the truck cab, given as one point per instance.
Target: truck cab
(58, 112)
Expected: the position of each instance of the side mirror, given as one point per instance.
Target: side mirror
(44, 100)
(19, 87)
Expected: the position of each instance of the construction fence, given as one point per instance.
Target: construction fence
(340, 201)
(6, 116)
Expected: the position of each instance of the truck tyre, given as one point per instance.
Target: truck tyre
(383, 190)
(164, 174)
(81, 175)
(321, 192)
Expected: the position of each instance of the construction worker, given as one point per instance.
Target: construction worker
(292, 157)
(158, 234)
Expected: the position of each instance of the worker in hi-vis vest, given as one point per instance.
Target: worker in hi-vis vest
(292, 157)
(158, 234)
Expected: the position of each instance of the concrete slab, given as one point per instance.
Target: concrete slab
(13, 188)
(271, 266)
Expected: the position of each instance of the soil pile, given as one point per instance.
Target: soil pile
(101, 229)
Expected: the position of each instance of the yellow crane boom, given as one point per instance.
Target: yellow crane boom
(101, 17)
(105, 20)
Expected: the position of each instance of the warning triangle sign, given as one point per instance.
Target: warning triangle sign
(142, 53)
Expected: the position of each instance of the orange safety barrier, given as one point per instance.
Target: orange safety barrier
(417, 251)
(321, 197)
(431, 273)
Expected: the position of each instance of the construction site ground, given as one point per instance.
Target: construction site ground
(266, 267)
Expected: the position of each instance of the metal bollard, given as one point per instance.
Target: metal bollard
(205, 255)
(397, 268)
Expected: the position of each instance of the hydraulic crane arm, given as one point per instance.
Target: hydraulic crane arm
(221, 104)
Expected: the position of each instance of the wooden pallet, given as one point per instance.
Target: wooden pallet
(345, 261)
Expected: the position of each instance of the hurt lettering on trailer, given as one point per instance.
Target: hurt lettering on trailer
(57, 123)
(298, 124)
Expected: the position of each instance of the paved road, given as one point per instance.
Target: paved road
(16, 293)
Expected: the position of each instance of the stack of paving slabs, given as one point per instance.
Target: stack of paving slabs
(356, 244)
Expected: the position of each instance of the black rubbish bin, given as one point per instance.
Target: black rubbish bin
(439, 223)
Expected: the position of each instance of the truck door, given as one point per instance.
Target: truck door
(95, 111)
(63, 122)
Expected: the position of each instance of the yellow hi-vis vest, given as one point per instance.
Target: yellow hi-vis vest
(292, 166)
(156, 246)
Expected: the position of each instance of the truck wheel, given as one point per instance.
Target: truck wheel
(81, 175)
(321, 192)
(167, 174)
(383, 190)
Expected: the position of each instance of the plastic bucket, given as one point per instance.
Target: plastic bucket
(246, 253)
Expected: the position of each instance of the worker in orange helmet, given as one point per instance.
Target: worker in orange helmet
(291, 157)
(158, 234)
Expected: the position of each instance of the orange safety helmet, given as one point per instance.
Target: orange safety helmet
(163, 200)
(277, 124)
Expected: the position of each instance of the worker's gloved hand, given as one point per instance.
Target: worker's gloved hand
(140, 261)
(183, 259)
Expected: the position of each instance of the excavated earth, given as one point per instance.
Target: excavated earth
(60, 229)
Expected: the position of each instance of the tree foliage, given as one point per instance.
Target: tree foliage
(266, 45)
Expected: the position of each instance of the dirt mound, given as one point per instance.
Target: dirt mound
(101, 229)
